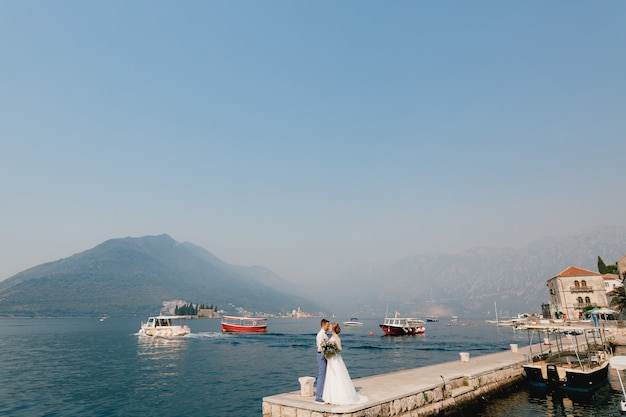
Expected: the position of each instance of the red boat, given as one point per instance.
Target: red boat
(402, 326)
(233, 324)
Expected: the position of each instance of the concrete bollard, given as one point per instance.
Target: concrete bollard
(306, 386)
(464, 356)
(514, 347)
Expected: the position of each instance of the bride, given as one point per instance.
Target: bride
(338, 388)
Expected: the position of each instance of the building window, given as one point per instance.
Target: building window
(577, 284)
(587, 300)
(580, 300)
(583, 283)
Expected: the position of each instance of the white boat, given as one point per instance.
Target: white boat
(432, 319)
(354, 322)
(507, 322)
(521, 322)
(104, 318)
(165, 326)
(515, 322)
(619, 364)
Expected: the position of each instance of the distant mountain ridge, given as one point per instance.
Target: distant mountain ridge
(470, 282)
(135, 275)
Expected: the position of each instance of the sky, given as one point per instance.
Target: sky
(308, 137)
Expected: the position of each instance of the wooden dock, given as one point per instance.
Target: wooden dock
(419, 392)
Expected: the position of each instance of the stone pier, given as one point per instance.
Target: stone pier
(419, 392)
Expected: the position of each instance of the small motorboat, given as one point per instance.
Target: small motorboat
(354, 322)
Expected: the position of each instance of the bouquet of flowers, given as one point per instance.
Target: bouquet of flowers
(329, 348)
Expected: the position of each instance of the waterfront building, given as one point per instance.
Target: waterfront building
(611, 282)
(572, 290)
(208, 313)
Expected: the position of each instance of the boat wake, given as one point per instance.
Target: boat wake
(205, 335)
(200, 335)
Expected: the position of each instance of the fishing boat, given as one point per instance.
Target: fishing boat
(354, 322)
(574, 362)
(165, 326)
(234, 324)
(402, 326)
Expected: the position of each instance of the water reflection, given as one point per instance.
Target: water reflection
(163, 344)
(160, 362)
(532, 402)
(561, 404)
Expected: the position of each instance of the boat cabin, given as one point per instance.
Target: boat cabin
(159, 321)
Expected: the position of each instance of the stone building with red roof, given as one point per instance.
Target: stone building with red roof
(573, 289)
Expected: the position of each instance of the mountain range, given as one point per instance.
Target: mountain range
(129, 276)
(469, 283)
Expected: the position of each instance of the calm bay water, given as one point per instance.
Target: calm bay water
(83, 367)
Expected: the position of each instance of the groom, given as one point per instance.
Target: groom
(321, 361)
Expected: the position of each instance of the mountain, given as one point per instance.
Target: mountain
(468, 283)
(135, 275)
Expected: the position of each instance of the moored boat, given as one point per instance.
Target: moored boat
(234, 324)
(354, 322)
(165, 326)
(574, 362)
(402, 326)
(432, 319)
(619, 364)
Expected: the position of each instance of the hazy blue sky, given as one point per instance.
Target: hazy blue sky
(308, 137)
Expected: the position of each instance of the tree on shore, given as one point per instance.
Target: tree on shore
(606, 269)
(190, 309)
(186, 310)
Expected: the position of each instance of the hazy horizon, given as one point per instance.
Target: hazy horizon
(308, 138)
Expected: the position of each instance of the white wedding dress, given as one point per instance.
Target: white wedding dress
(338, 388)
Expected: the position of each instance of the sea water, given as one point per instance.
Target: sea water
(84, 367)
